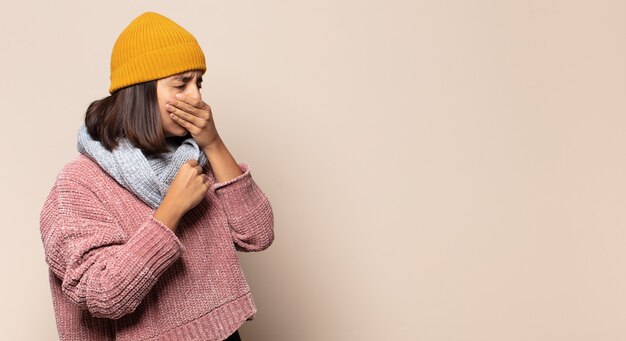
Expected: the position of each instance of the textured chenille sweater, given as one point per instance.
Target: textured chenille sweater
(118, 273)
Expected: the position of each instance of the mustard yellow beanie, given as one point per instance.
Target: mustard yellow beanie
(153, 46)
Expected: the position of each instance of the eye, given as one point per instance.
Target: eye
(182, 86)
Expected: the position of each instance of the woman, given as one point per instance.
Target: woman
(141, 229)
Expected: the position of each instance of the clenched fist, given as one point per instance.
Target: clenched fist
(186, 190)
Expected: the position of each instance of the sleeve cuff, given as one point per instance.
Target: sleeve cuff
(240, 195)
(155, 246)
(245, 168)
(167, 231)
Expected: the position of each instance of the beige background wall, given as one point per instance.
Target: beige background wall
(439, 170)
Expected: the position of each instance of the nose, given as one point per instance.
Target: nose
(193, 91)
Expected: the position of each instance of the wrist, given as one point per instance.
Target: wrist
(173, 207)
(169, 214)
(216, 144)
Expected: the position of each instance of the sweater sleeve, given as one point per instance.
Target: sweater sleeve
(103, 269)
(248, 211)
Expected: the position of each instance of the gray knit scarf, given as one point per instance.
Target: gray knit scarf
(147, 177)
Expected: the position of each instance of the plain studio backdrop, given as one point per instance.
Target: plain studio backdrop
(439, 170)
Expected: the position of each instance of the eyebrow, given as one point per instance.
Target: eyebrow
(186, 77)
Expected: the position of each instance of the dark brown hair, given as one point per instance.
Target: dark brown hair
(131, 112)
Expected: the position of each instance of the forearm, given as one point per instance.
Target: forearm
(111, 281)
(168, 214)
(222, 162)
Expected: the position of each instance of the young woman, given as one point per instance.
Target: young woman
(141, 229)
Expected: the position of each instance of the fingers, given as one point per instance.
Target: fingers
(187, 120)
(189, 108)
(182, 108)
(195, 102)
(190, 113)
(195, 165)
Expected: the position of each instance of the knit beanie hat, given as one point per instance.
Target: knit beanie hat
(153, 46)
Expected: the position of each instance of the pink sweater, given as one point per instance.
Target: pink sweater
(118, 273)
